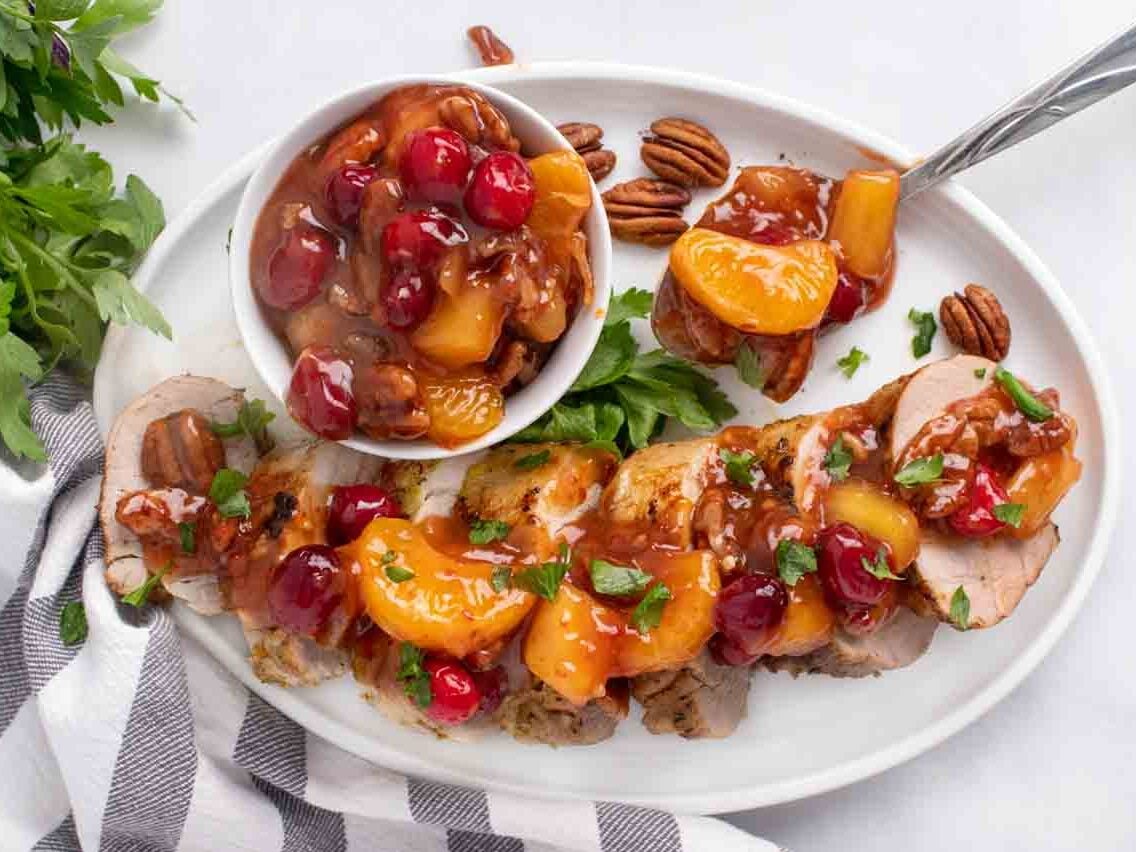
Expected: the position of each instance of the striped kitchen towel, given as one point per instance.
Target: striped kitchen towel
(137, 739)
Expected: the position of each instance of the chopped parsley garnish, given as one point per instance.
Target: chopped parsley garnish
(739, 466)
(838, 459)
(980, 373)
(880, 568)
(649, 611)
(187, 532)
(252, 420)
(399, 574)
(748, 364)
(533, 460)
(227, 491)
(499, 580)
(483, 532)
(415, 679)
(139, 596)
(72, 623)
(620, 580)
(625, 397)
(544, 579)
(960, 609)
(794, 560)
(1028, 404)
(926, 327)
(921, 471)
(1010, 513)
(851, 362)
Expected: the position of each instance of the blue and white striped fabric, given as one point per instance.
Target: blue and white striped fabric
(138, 740)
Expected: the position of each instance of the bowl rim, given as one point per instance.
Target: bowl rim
(264, 348)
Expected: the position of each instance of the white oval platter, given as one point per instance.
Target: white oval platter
(801, 737)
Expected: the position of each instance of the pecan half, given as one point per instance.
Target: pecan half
(646, 211)
(586, 139)
(181, 451)
(489, 46)
(686, 153)
(478, 121)
(974, 321)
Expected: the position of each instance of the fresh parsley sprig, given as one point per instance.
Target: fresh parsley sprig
(413, 675)
(838, 460)
(252, 420)
(625, 397)
(544, 579)
(794, 560)
(228, 491)
(648, 613)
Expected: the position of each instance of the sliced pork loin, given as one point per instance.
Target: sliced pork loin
(994, 573)
(701, 699)
(287, 659)
(123, 474)
(536, 713)
(289, 491)
(933, 389)
(899, 643)
(662, 484)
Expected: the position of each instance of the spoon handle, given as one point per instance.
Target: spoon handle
(1098, 74)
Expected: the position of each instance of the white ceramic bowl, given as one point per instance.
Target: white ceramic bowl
(269, 353)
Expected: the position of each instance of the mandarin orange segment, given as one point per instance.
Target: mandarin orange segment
(563, 196)
(757, 289)
(808, 621)
(1039, 484)
(863, 222)
(571, 644)
(878, 514)
(449, 605)
(462, 328)
(688, 618)
(462, 409)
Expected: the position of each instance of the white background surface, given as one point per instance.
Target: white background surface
(1053, 766)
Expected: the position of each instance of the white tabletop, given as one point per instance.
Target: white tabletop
(1053, 766)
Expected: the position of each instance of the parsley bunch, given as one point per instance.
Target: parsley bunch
(624, 397)
(68, 239)
(49, 73)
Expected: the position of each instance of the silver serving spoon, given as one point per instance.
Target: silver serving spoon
(1095, 76)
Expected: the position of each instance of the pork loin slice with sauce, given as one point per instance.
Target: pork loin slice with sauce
(899, 643)
(124, 473)
(701, 699)
(994, 573)
(536, 713)
(661, 485)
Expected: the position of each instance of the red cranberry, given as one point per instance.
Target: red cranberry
(320, 396)
(774, 234)
(418, 239)
(501, 192)
(847, 299)
(748, 611)
(408, 297)
(455, 696)
(841, 550)
(345, 190)
(298, 266)
(493, 684)
(305, 589)
(729, 653)
(353, 507)
(435, 164)
(976, 519)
